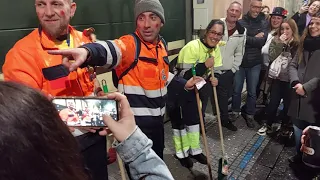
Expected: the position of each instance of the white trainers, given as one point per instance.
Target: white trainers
(263, 130)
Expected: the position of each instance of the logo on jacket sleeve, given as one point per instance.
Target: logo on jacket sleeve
(163, 75)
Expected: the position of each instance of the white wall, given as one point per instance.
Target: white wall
(202, 13)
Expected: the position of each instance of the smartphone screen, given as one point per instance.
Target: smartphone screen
(85, 112)
(305, 2)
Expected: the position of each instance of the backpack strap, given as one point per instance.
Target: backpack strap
(164, 43)
(136, 57)
(134, 63)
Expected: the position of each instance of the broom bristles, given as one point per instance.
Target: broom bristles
(223, 169)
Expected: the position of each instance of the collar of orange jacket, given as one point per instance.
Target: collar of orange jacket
(48, 43)
(148, 44)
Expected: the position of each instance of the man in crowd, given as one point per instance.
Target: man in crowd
(141, 68)
(29, 63)
(257, 32)
(232, 54)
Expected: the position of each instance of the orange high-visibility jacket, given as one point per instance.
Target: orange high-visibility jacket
(145, 85)
(29, 63)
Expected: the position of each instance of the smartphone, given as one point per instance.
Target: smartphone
(305, 2)
(85, 111)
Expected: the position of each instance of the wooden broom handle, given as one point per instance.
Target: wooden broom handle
(218, 116)
(203, 131)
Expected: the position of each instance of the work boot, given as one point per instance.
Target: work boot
(249, 120)
(201, 158)
(230, 126)
(234, 116)
(186, 162)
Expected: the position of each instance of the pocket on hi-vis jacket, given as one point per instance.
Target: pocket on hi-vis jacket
(57, 76)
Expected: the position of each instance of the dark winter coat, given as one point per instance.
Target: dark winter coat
(307, 72)
(254, 26)
(301, 20)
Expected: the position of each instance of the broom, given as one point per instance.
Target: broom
(202, 125)
(223, 169)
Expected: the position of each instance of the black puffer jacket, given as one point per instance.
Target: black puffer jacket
(301, 20)
(252, 55)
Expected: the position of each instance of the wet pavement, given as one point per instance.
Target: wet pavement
(250, 156)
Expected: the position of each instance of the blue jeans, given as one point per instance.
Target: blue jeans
(252, 77)
(297, 136)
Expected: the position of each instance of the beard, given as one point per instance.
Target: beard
(53, 30)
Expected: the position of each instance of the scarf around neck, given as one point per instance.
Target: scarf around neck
(311, 43)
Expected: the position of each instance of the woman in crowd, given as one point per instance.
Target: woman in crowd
(276, 18)
(304, 78)
(266, 12)
(284, 43)
(35, 143)
(202, 54)
(304, 15)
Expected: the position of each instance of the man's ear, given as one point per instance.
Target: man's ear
(73, 9)
(161, 25)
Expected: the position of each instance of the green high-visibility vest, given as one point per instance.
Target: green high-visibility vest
(196, 52)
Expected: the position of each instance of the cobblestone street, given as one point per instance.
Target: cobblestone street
(250, 156)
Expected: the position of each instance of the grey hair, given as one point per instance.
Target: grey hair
(235, 2)
(255, 0)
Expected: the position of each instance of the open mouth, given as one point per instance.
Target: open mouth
(214, 41)
(147, 33)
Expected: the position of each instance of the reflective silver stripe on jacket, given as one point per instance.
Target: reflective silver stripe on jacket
(110, 59)
(138, 90)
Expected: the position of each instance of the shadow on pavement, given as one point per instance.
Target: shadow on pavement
(301, 171)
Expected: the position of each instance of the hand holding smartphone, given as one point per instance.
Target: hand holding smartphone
(85, 111)
(126, 125)
(304, 7)
(121, 125)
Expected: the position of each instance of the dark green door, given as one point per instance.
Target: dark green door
(110, 18)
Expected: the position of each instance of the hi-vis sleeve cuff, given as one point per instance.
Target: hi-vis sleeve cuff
(103, 53)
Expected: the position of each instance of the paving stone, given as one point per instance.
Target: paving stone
(237, 144)
(258, 172)
(236, 174)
